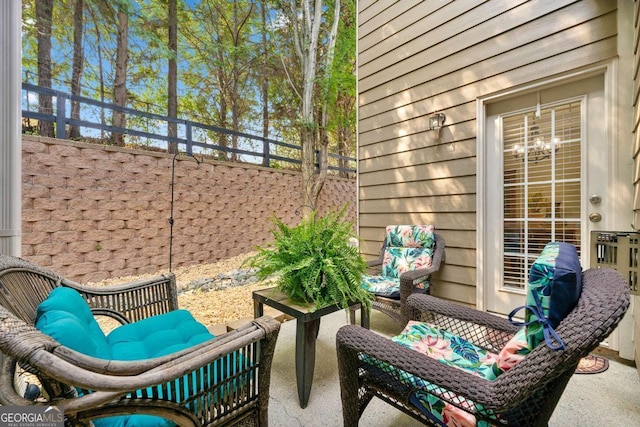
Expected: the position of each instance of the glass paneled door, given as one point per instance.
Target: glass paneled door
(548, 171)
(541, 185)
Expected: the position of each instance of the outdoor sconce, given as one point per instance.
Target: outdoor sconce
(436, 121)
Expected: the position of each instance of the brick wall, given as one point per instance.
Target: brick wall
(92, 212)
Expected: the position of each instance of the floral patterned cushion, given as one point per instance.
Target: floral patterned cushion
(400, 260)
(410, 236)
(461, 354)
(409, 247)
(513, 352)
(448, 349)
(453, 351)
(553, 290)
(382, 286)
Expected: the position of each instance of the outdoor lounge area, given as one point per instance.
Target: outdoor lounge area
(428, 213)
(274, 396)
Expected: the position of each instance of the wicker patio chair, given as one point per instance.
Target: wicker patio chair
(187, 387)
(524, 395)
(394, 305)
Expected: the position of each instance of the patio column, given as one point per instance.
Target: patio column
(10, 127)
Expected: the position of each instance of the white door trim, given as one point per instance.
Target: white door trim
(608, 70)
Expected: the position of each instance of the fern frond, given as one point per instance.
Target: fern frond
(313, 262)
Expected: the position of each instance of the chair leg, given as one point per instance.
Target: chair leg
(349, 384)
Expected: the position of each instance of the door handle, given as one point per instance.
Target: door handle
(595, 217)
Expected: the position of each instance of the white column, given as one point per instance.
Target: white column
(10, 127)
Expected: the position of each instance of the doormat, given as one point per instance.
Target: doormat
(592, 364)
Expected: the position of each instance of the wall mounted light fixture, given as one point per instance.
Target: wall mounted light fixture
(436, 121)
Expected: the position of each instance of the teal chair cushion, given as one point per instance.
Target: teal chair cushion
(133, 421)
(157, 336)
(66, 317)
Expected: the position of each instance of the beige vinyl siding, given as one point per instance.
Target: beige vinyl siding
(420, 57)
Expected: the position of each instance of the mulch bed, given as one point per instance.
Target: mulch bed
(217, 307)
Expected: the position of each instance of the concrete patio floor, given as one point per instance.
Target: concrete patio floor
(611, 398)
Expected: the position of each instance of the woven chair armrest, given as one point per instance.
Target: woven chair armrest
(45, 357)
(119, 368)
(352, 340)
(411, 276)
(374, 262)
(132, 301)
(375, 270)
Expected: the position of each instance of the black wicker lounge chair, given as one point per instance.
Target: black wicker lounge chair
(373, 366)
(217, 381)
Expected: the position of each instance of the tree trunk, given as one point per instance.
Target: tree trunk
(103, 120)
(172, 89)
(78, 64)
(44, 16)
(120, 82)
(314, 134)
(224, 110)
(265, 79)
(323, 138)
(235, 76)
(308, 44)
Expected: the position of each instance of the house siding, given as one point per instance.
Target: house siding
(420, 57)
(636, 159)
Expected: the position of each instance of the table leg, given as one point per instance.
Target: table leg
(306, 334)
(364, 316)
(258, 309)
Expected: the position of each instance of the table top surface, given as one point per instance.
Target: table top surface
(300, 310)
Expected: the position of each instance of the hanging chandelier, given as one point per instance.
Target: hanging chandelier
(538, 149)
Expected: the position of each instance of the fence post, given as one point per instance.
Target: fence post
(265, 152)
(188, 130)
(61, 116)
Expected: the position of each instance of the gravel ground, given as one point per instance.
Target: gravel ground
(209, 307)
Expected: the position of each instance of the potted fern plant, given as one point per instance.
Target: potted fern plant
(314, 262)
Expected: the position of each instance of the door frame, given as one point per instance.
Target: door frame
(608, 70)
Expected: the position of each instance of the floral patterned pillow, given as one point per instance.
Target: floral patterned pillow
(400, 260)
(410, 236)
(555, 284)
(450, 350)
(409, 247)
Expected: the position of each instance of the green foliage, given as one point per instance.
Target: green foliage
(314, 262)
(226, 55)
